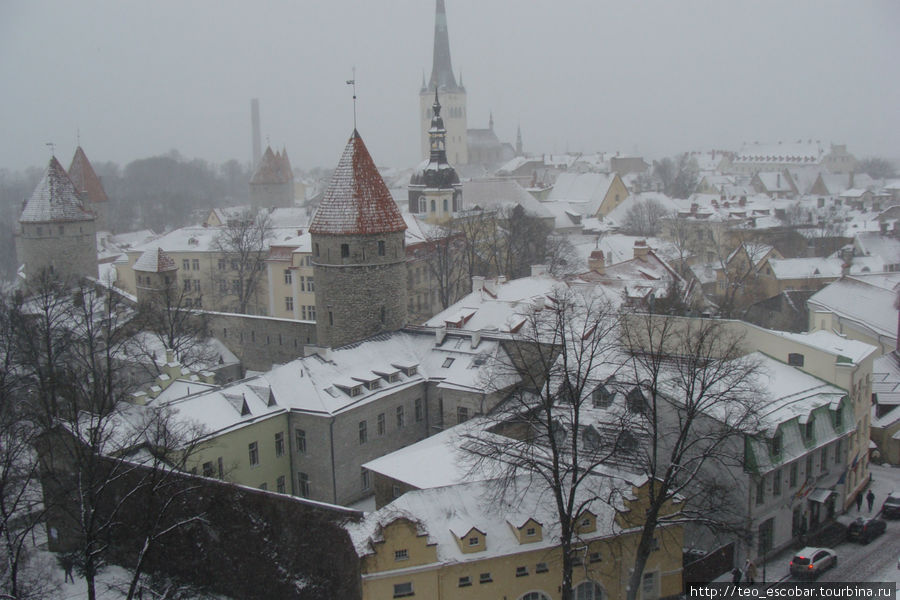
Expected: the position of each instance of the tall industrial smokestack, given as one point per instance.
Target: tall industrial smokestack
(257, 142)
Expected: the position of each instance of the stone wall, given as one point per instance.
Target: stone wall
(70, 249)
(260, 342)
(360, 294)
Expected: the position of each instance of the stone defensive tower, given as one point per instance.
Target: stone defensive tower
(453, 95)
(90, 189)
(156, 277)
(272, 184)
(56, 232)
(359, 253)
(435, 192)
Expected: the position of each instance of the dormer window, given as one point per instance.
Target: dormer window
(838, 418)
(601, 397)
(474, 540)
(795, 359)
(809, 431)
(775, 444)
(401, 554)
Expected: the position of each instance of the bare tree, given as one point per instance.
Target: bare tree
(167, 322)
(738, 283)
(699, 401)
(877, 167)
(643, 217)
(442, 250)
(560, 356)
(243, 243)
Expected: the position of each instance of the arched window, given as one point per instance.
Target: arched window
(422, 205)
(535, 596)
(433, 206)
(445, 205)
(589, 590)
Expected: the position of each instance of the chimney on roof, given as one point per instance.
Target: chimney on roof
(596, 262)
(501, 279)
(694, 207)
(439, 334)
(742, 201)
(641, 249)
(477, 283)
(845, 267)
(852, 178)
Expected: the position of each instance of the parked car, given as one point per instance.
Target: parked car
(812, 562)
(865, 530)
(891, 507)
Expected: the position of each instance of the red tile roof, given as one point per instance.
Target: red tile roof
(154, 260)
(85, 179)
(357, 201)
(271, 169)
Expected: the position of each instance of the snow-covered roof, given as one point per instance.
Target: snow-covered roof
(55, 199)
(154, 260)
(843, 349)
(866, 299)
(871, 243)
(583, 191)
(800, 268)
(492, 194)
(798, 153)
(446, 514)
(357, 201)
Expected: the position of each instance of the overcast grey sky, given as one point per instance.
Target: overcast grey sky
(653, 77)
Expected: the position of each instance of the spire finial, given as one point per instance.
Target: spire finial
(353, 83)
(52, 147)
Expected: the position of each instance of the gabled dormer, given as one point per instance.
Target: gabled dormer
(527, 532)
(399, 544)
(586, 522)
(471, 541)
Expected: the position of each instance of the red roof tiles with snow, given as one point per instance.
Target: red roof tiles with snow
(154, 260)
(85, 179)
(357, 200)
(54, 199)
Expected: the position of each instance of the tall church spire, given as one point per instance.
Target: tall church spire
(442, 69)
(437, 134)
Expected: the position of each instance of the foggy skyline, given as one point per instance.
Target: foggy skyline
(651, 78)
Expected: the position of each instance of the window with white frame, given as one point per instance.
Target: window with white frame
(253, 450)
(401, 590)
(303, 480)
(279, 443)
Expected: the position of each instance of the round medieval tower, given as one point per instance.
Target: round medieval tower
(156, 278)
(358, 253)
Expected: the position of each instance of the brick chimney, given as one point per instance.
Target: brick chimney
(694, 207)
(641, 249)
(477, 283)
(597, 262)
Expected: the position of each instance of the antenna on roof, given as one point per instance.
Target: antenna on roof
(353, 83)
(52, 147)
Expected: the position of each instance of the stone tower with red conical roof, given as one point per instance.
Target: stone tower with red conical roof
(56, 232)
(359, 253)
(272, 184)
(90, 189)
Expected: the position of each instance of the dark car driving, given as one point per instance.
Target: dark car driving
(891, 507)
(865, 530)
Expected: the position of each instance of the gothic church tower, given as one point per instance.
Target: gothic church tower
(358, 253)
(453, 96)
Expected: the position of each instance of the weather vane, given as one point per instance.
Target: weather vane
(353, 83)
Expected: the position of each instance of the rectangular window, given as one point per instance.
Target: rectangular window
(311, 311)
(760, 491)
(401, 554)
(837, 451)
(279, 484)
(300, 436)
(379, 424)
(380, 247)
(279, 443)
(303, 312)
(531, 532)
(521, 571)
(310, 287)
(793, 475)
(196, 285)
(401, 590)
(288, 277)
(208, 469)
(254, 454)
(401, 419)
(464, 581)
(473, 541)
(221, 467)
(776, 483)
(595, 557)
(187, 285)
(303, 479)
(195, 263)
(289, 303)
(485, 578)
(648, 586)
(824, 464)
(185, 264)
(363, 434)
(364, 478)
(235, 286)
(462, 414)
(345, 250)
(418, 410)
(302, 284)
(809, 466)
(221, 264)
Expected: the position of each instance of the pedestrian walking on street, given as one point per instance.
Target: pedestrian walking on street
(750, 570)
(859, 502)
(870, 499)
(67, 562)
(736, 575)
